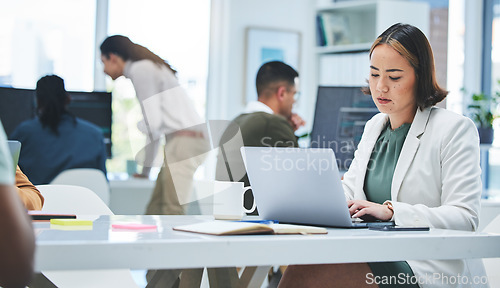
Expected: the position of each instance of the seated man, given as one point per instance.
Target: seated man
(30, 196)
(267, 122)
(17, 243)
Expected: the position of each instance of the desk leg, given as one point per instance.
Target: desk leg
(191, 278)
(253, 277)
(223, 277)
(163, 278)
(40, 281)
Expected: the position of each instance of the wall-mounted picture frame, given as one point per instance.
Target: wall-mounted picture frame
(264, 45)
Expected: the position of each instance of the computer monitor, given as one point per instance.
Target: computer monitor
(18, 105)
(340, 117)
(94, 107)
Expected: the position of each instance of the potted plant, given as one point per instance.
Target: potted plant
(482, 110)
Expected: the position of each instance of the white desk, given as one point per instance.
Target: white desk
(104, 248)
(490, 208)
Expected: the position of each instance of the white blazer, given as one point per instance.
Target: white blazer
(436, 182)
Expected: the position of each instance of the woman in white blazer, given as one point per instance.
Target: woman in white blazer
(424, 160)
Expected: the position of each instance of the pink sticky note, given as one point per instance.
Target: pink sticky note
(133, 226)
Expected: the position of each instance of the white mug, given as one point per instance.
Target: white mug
(228, 200)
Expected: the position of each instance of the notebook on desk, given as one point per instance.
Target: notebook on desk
(303, 186)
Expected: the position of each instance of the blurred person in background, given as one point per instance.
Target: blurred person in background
(168, 113)
(56, 140)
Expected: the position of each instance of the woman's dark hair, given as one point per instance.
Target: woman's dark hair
(52, 100)
(412, 44)
(128, 50)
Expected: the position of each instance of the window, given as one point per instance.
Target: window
(494, 87)
(495, 48)
(495, 65)
(47, 37)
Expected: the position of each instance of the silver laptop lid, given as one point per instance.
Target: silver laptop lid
(297, 185)
(15, 150)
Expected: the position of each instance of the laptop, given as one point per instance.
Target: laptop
(15, 150)
(302, 186)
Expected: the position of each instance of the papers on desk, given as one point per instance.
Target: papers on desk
(244, 228)
(297, 229)
(37, 215)
(133, 226)
(71, 222)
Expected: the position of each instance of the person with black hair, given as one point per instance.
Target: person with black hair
(168, 113)
(266, 122)
(416, 164)
(56, 140)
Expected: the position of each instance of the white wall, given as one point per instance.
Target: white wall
(229, 19)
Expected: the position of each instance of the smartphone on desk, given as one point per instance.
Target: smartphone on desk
(398, 228)
(45, 216)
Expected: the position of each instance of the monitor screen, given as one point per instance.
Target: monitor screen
(18, 105)
(94, 107)
(340, 117)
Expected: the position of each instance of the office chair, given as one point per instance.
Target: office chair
(70, 199)
(94, 179)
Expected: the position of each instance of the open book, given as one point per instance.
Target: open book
(242, 228)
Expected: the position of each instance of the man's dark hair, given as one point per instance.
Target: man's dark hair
(274, 72)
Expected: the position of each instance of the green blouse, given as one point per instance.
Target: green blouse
(382, 163)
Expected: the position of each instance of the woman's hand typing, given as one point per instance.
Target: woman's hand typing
(367, 210)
